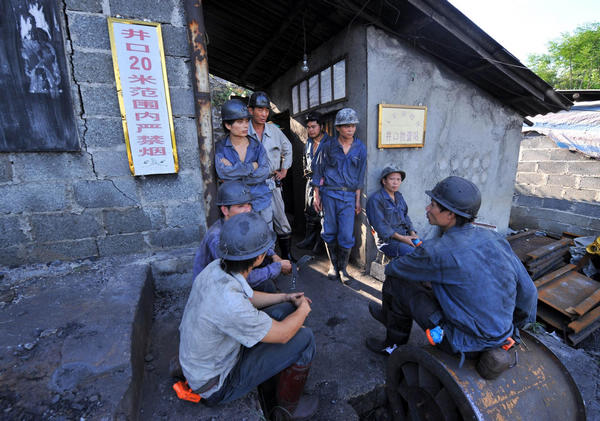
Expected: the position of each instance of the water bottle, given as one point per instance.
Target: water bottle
(435, 335)
(417, 242)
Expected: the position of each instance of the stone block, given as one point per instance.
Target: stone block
(595, 225)
(64, 250)
(88, 31)
(529, 201)
(525, 189)
(186, 134)
(65, 226)
(583, 195)
(520, 218)
(111, 163)
(10, 232)
(179, 71)
(93, 67)
(105, 193)
(6, 171)
(586, 168)
(531, 178)
(591, 183)
(569, 218)
(552, 167)
(527, 167)
(175, 41)
(557, 204)
(549, 191)
(33, 197)
(104, 132)
(175, 237)
(554, 227)
(156, 215)
(561, 154)
(126, 221)
(567, 181)
(182, 101)
(170, 187)
(93, 6)
(52, 166)
(538, 142)
(185, 214)
(113, 245)
(588, 209)
(535, 155)
(11, 256)
(153, 10)
(100, 100)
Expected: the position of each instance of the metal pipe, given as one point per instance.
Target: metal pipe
(197, 40)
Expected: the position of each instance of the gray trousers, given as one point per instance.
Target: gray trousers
(280, 221)
(267, 215)
(263, 360)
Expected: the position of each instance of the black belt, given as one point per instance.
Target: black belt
(208, 385)
(340, 188)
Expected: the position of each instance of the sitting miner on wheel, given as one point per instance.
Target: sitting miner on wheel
(480, 292)
(234, 197)
(234, 338)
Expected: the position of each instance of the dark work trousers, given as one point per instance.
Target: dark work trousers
(263, 360)
(405, 301)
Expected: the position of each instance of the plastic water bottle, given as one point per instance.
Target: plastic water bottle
(435, 335)
(417, 242)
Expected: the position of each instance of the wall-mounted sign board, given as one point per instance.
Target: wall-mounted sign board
(141, 78)
(401, 126)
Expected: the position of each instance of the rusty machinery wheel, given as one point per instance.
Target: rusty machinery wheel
(424, 383)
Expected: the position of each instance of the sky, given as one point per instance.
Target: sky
(525, 27)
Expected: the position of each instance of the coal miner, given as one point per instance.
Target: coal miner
(233, 338)
(480, 293)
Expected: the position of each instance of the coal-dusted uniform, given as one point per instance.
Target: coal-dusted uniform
(338, 176)
(308, 158)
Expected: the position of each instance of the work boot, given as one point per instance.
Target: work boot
(376, 311)
(293, 405)
(333, 262)
(309, 238)
(343, 257)
(379, 346)
(319, 247)
(285, 247)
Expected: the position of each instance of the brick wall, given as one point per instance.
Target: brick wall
(77, 205)
(556, 190)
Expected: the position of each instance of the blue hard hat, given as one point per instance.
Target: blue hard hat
(233, 192)
(245, 236)
(458, 195)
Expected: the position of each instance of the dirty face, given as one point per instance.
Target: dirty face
(232, 210)
(238, 128)
(313, 128)
(259, 114)
(346, 131)
(436, 216)
(392, 182)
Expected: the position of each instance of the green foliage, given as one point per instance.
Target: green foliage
(221, 90)
(572, 61)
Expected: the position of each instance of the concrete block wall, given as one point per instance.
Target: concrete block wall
(63, 206)
(556, 189)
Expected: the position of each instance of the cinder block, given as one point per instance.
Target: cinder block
(520, 218)
(588, 209)
(179, 71)
(11, 256)
(561, 154)
(595, 225)
(88, 31)
(38, 197)
(93, 67)
(100, 100)
(566, 181)
(377, 271)
(153, 10)
(552, 167)
(524, 189)
(156, 215)
(591, 183)
(186, 133)
(93, 6)
(10, 232)
(531, 178)
(175, 237)
(6, 171)
(554, 227)
(64, 250)
(548, 191)
(589, 168)
(527, 167)
(535, 155)
(539, 142)
(557, 204)
(569, 218)
(111, 163)
(175, 41)
(583, 195)
(126, 221)
(55, 166)
(64, 226)
(182, 101)
(529, 201)
(105, 193)
(121, 244)
(184, 186)
(104, 132)
(185, 214)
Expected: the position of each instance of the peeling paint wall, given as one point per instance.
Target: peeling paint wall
(64, 206)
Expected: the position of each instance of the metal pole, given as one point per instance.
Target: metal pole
(197, 40)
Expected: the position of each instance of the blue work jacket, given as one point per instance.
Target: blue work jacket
(207, 252)
(308, 157)
(334, 169)
(481, 285)
(388, 216)
(255, 179)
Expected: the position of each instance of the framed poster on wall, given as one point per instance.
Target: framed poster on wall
(401, 126)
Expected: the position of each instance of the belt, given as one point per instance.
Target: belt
(208, 385)
(340, 188)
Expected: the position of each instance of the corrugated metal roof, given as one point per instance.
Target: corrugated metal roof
(253, 42)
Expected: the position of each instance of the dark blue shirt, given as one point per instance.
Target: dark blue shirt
(482, 287)
(244, 171)
(388, 216)
(334, 169)
(309, 157)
